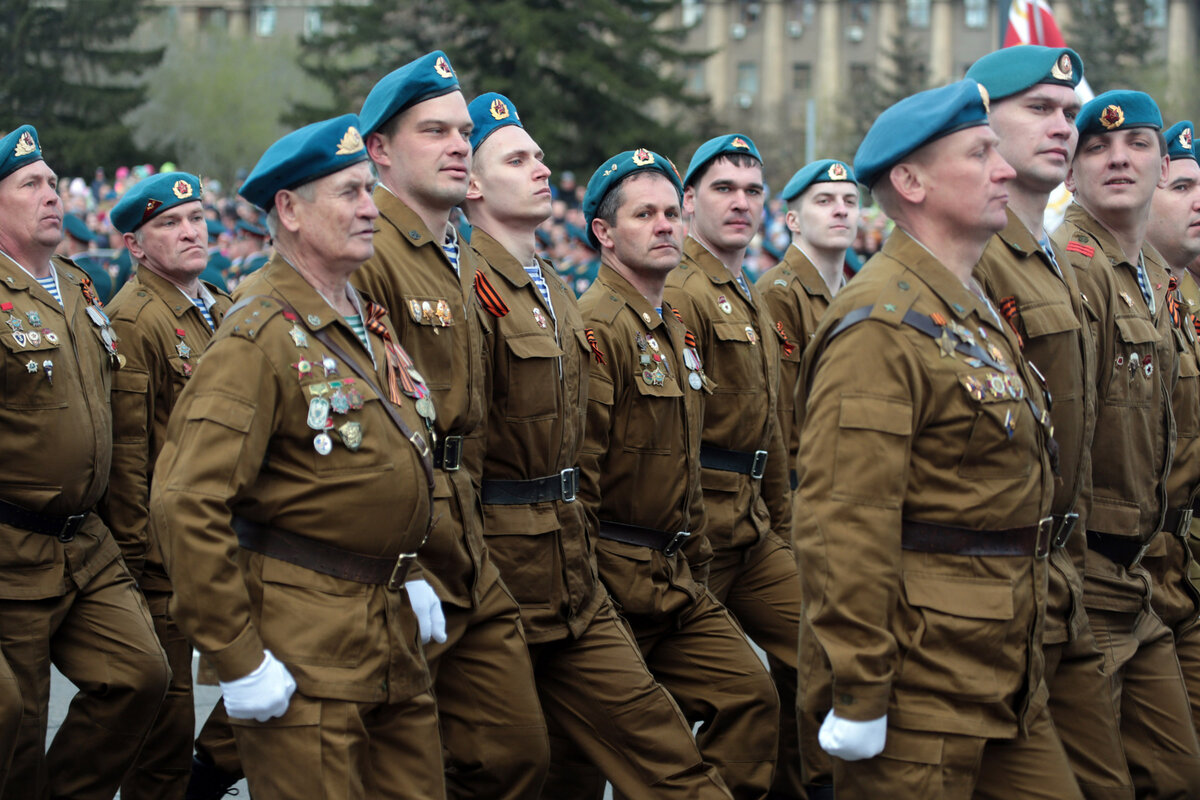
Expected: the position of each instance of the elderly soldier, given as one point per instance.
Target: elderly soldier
(594, 685)
(417, 127)
(641, 472)
(292, 492)
(926, 482)
(1034, 104)
(1118, 164)
(67, 597)
(165, 317)
(1174, 230)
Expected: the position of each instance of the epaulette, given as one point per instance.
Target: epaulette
(132, 305)
(1080, 245)
(607, 307)
(893, 302)
(248, 316)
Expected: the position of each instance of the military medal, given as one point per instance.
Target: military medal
(35, 338)
(414, 308)
(20, 338)
(1010, 425)
(318, 389)
(1147, 367)
(106, 336)
(996, 355)
(298, 336)
(323, 444)
(650, 340)
(1135, 363)
(14, 323)
(690, 359)
(1016, 389)
(695, 381)
(426, 410)
(318, 413)
(31, 367)
(974, 362)
(99, 318)
(751, 336)
(303, 367)
(648, 377)
(187, 368)
(329, 365)
(351, 433)
(426, 310)
(354, 396)
(1128, 300)
(34, 318)
(945, 344)
(48, 368)
(183, 350)
(539, 317)
(339, 402)
(444, 317)
(641, 341)
(50, 336)
(973, 386)
(1120, 360)
(996, 386)
(723, 304)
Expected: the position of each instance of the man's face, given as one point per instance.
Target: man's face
(1174, 226)
(174, 243)
(966, 181)
(508, 174)
(31, 212)
(429, 154)
(726, 205)
(338, 225)
(647, 235)
(1038, 134)
(827, 219)
(1117, 172)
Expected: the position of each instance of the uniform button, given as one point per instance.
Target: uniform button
(846, 699)
(903, 285)
(957, 308)
(414, 234)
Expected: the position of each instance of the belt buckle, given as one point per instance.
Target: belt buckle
(1185, 523)
(452, 453)
(418, 441)
(400, 571)
(759, 467)
(1045, 531)
(676, 542)
(1137, 559)
(569, 479)
(71, 527)
(1063, 534)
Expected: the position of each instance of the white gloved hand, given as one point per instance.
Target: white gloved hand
(850, 740)
(262, 694)
(425, 604)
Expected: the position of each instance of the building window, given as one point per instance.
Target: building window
(213, 19)
(860, 76)
(860, 11)
(693, 12)
(264, 21)
(801, 77)
(975, 13)
(802, 11)
(918, 13)
(693, 78)
(312, 22)
(747, 77)
(1156, 13)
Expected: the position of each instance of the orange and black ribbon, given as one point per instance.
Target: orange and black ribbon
(1008, 307)
(89, 294)
(398, 361)
(938, 319)
(489, 297)
(788, 347)
(1173, 303)
(591, 337)
(689, 338)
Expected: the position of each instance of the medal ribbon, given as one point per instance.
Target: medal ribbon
(1008, 307)
(788, 347)
(489, 297)
(591, 338)
(89, 294)
(1173, 302)
(395, 356)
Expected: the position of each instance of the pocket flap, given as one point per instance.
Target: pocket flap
(882, 414)
(131, 380)
(1047, 319)
(232, 412)
(533, 346)
(669, 388)
(732, 331)
(1136, 330)
(973, 598)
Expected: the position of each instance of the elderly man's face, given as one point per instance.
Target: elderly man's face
(174, 243)
(338, 225)
(966, 181)
(31, 212)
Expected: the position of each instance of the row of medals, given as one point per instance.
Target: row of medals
(36, 333)
(655, 367)
(993, 385)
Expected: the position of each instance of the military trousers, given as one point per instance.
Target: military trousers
(761, 588)
(1177, 603)
(607, 714)
(493, 733)
(324, 749)
(10, 717)
(101, 637)
(941, 766)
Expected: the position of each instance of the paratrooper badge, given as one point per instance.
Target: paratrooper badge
(151, 206)
(837, 172)
(25, 145)
(643, 157)
(442, 67)
(1062, 69)
(182, 189)
(351, 142)
(1112, 117)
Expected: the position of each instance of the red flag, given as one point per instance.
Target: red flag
(1032, 22)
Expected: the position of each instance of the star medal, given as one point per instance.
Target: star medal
(303, 367)
(299, 338)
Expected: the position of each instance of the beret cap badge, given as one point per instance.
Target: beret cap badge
(642, 157)
(151, 206)
(499, 110)
(25, 145)
(442, 67)
(351, 142)
(1062, 69)
(740, 142)
(1112, 117)
(837, 172)
(986, 98)
(182, 189)
(1185, 138)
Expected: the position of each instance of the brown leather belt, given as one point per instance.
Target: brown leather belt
(1124, 550)
(666, 541)
(1178, 521)
(323, 558)
(747, 462)
(926, 537)
(62, 528)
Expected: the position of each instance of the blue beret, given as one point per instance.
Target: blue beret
(617, 169)
(1118, 110)
(18, 149)
(916, 121)
(215, 228)
(251, 228)
(489, 113)
(733, 143)
(1011, 70)
(429, 76)
(75, 226)
(1179, 141)
(150, 197)
(312, 152)
(827, 170)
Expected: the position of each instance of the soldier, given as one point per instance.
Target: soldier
(593, 683)
(1033, 108)
(291, 496)
(1174, 230)
(926, 482)
(1119, 162)
(743, 460)
(164, 317)
(417, 126)
(67, 598)
(641, 470)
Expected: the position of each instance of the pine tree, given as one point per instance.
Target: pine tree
(68, 69)
(1115, 43)
(907, 74)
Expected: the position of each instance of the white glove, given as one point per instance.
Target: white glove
(425, 604)
(850, 740)
(262, 694)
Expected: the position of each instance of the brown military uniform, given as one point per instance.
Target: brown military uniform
(241, 441)
(747, 519)
(493, 731)
(1137, 366)
(1040, 300)
(162, 335)
(594, 685)
(644, 416)
(68, 598)
(922, 558)
(1189, 290)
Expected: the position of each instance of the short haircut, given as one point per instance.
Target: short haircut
(616, 195)
(737, 159)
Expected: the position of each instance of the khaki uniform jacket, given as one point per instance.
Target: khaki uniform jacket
(895, 431)
(411, 275)
(162, 336)
(1134, 440)
(57, 441)
(740, 352)
(1190, 291)
(239, 444)
(1045, 309)
(796, 297)
(538, 368)
(641, 454)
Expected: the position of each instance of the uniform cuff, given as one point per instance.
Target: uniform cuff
(241, 657)
(862, 702)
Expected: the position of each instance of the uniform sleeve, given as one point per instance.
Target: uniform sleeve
(216, 444)
(776, 483)
(782, 310)
(603, 391)
(856, 442)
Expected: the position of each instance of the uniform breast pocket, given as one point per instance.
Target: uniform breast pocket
(533, 362)
(735, 363)
(1132, 381)
(655, 418)
(356, 441)
(1047, 320)
(431, 348)
(1187, 413)
(33, 373)
(999, 430)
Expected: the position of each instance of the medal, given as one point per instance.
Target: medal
(695, 381)
(974, 362)
(723, 304)
(1128, 300)
(318, 389)
(35, 338)
(98, 317)
(973, 386)
(187, 368)
(351, 433)
(20, 338)
(539, 317)
(945, 344)
(751, 336)
(34, 318)
(650, 340)
(339, 402)
(31, 367)
(996, 355)
(690, 359)
(1010, 425)
(329, 365)
(354, 396)
(50, 336)
(426, 310)
(298, 336)
(1147, 367)
(183, 350)
(304, 368)
(14, 323)
(444, 316)
(323, 444)
(426, 410)
(318, 413)
(996, 386)
(641, 341)
(648, 377)
(48, 368)
(414, 308)
(1016, 389)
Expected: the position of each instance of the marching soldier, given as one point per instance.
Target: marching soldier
(1033, 109)
(66, 597)
(164, 316)
(743, 458)
(641, 469)
(1119, 162)
(925, 486)
(417, 129)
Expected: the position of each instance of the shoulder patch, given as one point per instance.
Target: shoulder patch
(1078, 247)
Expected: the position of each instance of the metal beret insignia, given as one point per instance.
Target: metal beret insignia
(1062, 69)
(611, 170)
(986, 98)
(151, 207)
(442, 67)
(1185, 138)
(1112, 117)
(499, 110)
(642, 157)
(739, 142)
(351, 142)
(25, 145)
(837, 172)
(182, 189)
